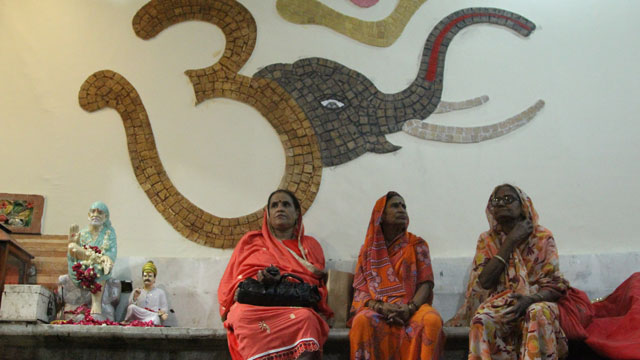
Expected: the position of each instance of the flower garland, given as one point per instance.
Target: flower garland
(85, 270)
(86, 277)
(90, 320)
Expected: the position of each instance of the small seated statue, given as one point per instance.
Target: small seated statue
(150, 302)
(91, 254)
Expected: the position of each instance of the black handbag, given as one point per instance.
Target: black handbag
(281, 293)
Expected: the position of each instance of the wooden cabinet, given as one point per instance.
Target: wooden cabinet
(15, 261)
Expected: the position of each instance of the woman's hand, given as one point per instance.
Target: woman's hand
(490, 275)
(267, 278)
(520, 232)
(396, 314)
(388, 310)
(520, 307)
(403, 313)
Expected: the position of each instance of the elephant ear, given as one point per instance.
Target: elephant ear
(380, 145)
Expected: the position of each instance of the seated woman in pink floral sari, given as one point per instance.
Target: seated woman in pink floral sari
(514, 284)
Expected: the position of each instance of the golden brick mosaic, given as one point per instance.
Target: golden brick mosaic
(377, 33)
(303, 169)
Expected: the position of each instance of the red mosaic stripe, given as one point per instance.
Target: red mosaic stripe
(435, 51)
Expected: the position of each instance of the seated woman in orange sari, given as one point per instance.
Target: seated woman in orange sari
(393, 288)
(275, 332)
(514, 284)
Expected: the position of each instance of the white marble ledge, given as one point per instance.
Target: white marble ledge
(124, 332)
(168, 333)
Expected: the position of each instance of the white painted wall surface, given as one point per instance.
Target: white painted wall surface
(578, 159)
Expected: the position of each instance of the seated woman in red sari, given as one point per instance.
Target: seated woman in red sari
(275, 332)
(393, 288)
(514, 284)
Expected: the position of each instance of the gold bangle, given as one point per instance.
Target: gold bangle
(413, 307)
(502, 260)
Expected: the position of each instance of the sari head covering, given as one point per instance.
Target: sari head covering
(298, 231)
(375, 277)
(532, 266)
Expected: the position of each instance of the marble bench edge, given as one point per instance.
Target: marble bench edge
(177, 333)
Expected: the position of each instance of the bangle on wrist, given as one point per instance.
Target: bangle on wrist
(413, 307)
(501, 259)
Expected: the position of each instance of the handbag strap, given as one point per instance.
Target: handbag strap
(307, 264)
(293, 276)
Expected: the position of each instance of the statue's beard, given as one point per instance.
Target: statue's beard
(96, 221)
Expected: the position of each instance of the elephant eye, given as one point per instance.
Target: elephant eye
(332, 104)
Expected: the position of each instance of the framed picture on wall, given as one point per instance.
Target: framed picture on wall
(21, 213)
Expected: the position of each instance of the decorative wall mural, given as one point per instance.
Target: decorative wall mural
(377, 33)
(324, 113)
(448, 106)
(21, 213)
(351, 116)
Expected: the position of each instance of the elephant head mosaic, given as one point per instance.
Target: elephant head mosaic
(324, 113)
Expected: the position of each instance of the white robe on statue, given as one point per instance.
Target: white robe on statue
(155, 300)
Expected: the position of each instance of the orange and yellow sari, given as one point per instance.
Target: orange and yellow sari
(533, 266)
(392, 274)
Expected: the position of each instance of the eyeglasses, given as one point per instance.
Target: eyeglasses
(505, 200)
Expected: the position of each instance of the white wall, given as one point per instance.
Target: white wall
(578, 159)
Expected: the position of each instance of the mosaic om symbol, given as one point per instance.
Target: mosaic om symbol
(325, 114)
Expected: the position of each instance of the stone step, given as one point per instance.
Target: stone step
(53, 342)
(58, 342)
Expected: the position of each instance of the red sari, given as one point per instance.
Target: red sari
(614, 331)
(392, 274)
(274, 332)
